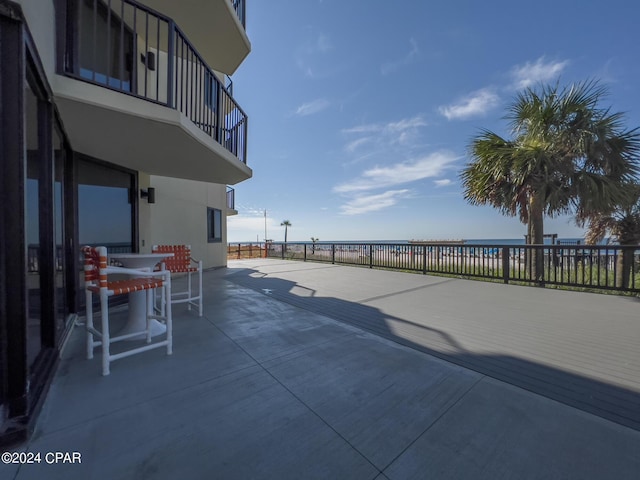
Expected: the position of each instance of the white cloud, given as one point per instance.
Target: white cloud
(381, 177)
(354, 145)
(539, 71)
(312, 107)
(323, 44)
(371, 203)
(397, 139)
(371, 128)
(319, 44)
(481, 101)
(477, 103)
(243, 228)
(407, 59)
(249, 225)
(310, 52)
(443, 182)
(240, 222)
(389, 128)
(405, 124)
(381, 185)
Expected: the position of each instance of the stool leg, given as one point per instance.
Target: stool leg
(151, 292)
(163, 302)
(169, 318)
(106, 341)
(200, 287)
(89, 325)
(190, 293)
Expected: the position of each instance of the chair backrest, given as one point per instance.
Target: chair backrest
(95, 264)
(181, 260)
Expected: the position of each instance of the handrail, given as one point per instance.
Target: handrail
(231, 198)
(583, 267)
(148, 56)
(239, 7)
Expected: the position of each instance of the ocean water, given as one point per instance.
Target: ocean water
(475, 241)
(520, 241)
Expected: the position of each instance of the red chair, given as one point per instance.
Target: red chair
(96, 272)
(182, 262)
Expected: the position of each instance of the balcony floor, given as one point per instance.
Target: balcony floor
(307, 370)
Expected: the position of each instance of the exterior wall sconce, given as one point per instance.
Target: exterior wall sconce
(149, 194)
(148, 60)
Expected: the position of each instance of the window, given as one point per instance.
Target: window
(214, 225)
(211, 91)
(105, 44)
(105, 207)
(35, 218)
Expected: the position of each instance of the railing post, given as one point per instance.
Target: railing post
(505, 264)
(244, 139)
(284, 247)
(333, 253)
(305, 252)
(424, 259)
(170, 63)
(244, 14)
(219, 111)
(370, 256)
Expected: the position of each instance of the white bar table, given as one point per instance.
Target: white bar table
(137, 319)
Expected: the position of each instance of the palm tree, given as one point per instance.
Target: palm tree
(623, 223)
(286, 224)
(567, 154)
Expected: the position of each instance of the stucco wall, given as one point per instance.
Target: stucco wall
(40, 15)
(179, 216)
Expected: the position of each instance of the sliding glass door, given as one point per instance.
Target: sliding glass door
(62, 231)
(106, 211)
(105, 206)
(37, 221)
(47, 235)
(35, 188)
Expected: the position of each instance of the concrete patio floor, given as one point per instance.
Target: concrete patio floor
(301, 370)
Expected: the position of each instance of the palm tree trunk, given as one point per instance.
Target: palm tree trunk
(623, 270)
(536, 236)
(628, 236)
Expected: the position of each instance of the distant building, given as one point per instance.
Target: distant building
(105, 106)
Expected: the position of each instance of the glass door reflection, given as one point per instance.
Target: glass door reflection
(33, 211)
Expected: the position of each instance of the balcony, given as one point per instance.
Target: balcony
(317, 371)
(231, 202)
(239, 6)
(115, 47)
(216, 27)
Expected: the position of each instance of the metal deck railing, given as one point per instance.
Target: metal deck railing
(128, 47)
(610, 267)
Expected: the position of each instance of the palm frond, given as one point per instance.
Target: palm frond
(566, 150)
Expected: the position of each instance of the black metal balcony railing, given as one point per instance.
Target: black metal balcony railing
(576, 266)
(231, 198)
(239, 7)
(125, 46)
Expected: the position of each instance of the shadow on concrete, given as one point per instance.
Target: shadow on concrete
(606, 400)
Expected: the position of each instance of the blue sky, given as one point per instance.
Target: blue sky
(361, 111)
